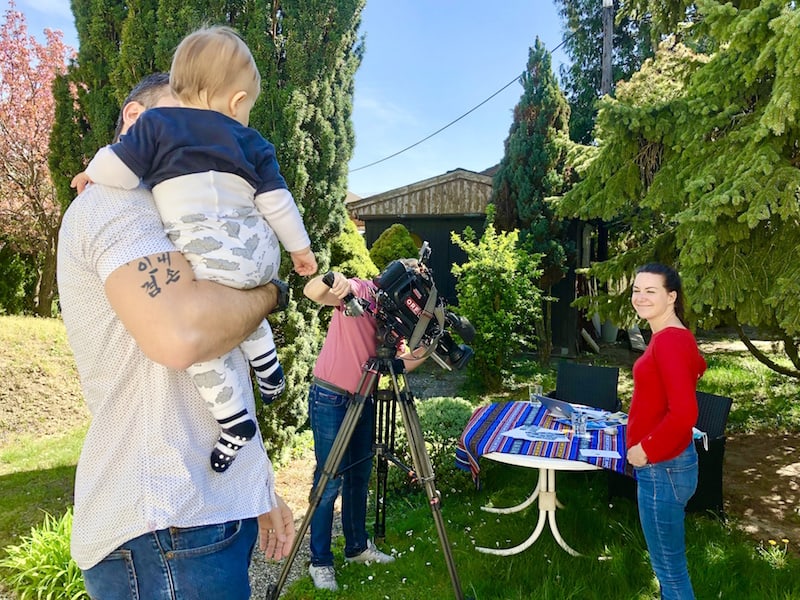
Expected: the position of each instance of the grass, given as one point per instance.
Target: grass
(724, 562)
(36, 477)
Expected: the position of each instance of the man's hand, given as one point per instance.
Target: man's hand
(276, 531)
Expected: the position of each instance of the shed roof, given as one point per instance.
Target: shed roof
(457, 192)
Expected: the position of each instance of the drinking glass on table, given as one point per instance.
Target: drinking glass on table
(579, 423)
(533, 392)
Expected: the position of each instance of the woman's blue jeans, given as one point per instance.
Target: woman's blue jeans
(664, 488)
(326, 411)
(193, 563)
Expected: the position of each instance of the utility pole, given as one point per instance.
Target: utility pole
(608, 33)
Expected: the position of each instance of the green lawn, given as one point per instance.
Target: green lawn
(36, 476)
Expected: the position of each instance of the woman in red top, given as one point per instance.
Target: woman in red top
(663, 412)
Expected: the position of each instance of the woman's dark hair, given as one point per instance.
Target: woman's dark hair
(672, 283)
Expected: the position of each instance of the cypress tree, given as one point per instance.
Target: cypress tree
(532, 169)
(308, 61)
(68, 131)
(137, 57)
(307, 53)
(99, 25)
(86, 122)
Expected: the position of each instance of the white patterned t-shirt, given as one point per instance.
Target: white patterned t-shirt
(144, 464)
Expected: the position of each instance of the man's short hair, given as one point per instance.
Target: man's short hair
(147, 93)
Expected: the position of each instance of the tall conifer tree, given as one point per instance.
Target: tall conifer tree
(533, 168)
(307, 52)
(699, 158)
(583, 43)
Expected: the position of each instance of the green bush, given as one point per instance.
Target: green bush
(349, 254)
(41, 566)
(497, 292)
(441, 420)
(396, 242)
(17, 282)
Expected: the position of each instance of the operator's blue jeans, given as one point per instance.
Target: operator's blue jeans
(664, 488)
(193, 563)
(326, 411)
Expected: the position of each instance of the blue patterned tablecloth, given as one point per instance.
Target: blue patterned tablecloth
(483, 434)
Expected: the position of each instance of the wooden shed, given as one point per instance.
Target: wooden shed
(433, 208)
(430, 210)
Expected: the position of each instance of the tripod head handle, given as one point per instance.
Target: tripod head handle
(353, 307)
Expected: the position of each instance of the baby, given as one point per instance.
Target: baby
(222, 199)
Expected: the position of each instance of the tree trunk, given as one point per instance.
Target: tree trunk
(545, 331)
(763, 358)
(47, 279)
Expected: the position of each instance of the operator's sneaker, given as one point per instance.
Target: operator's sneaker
(324, 578)
(371, 555)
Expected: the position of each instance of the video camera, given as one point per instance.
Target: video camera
(409, 307)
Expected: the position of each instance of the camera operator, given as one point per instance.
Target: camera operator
(349, 343)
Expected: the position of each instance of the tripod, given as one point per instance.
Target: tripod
(384, 363)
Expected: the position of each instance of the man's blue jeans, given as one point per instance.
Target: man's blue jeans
(193, 563)
(326, 411)
(664, 488)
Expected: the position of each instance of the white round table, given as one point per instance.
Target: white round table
(545, 491)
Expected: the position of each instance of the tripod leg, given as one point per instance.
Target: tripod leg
(422, 464)
(383, 444)
(354, 409)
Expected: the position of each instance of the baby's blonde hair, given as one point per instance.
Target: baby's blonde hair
(212, 62)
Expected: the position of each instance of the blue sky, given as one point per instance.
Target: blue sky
(427, 62)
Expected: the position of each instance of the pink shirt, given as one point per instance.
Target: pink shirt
(349, 343)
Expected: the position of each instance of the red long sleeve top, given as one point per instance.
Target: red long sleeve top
(664, 406)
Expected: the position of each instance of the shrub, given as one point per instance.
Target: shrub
(18, 280)
(41, 566)
(497, 292)
(349, 254)
(396, 242)
(441, 420)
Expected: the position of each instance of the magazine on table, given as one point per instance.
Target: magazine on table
(534, 433)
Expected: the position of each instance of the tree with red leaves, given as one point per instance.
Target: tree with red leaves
(30, 214)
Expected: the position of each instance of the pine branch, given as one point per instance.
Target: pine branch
(763, 358)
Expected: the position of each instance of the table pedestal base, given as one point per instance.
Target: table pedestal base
(545, 491)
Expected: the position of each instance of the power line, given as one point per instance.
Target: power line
(454, 121)
(438, 130)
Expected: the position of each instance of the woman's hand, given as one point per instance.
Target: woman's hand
(637, 456)
(276, 531)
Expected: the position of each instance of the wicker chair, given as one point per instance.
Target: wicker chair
(587, 384)
(712, 417)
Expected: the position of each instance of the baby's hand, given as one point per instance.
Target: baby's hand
(80, 181)
(304, 261)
